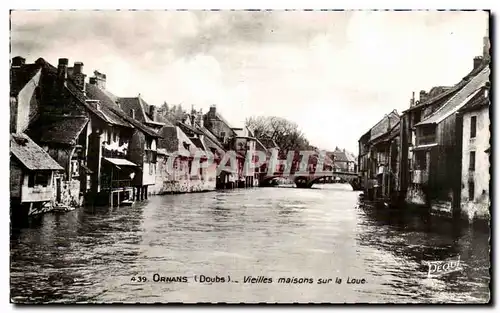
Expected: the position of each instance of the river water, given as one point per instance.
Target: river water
(104, 254)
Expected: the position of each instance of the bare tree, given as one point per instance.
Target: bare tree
(285, 133)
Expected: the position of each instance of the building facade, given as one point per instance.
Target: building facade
(475, 174)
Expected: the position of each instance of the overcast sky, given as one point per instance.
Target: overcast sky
(334, 73)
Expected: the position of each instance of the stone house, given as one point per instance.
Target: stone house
(412, 178)
(230, 175)
(131, 153)
(32, 173)
(56, 120)
(204, 168)
(245, 144)
(175, 164)
(437, 151)
(88, 134)
(475, 174)
(376, 157)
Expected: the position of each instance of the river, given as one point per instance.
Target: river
(103, 254)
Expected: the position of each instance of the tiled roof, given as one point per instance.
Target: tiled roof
(212, 145)
(384, 125)
(223, 120)
(133, 103)
(106, 104)
(188, 129)
(211, 141)
(109, 105)
(64, 129)
(149, 119)
(140, 107)
(476, 103)
(459, 99)
(20, 76)
(30, 154)
(50, 75)
(169, 139)
(197, 142)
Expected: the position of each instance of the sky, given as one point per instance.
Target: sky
(334, 73)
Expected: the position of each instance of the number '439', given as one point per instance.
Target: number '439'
(139, 279)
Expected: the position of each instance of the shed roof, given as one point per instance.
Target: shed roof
(32, 156)
(120, 162)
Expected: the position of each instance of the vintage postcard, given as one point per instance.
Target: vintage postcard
(250, 156)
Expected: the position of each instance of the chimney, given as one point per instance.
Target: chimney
(78, 68)
(152, 112)
(62, 71)
(486, 48)
(423, 96)
(96, 104)
(477, 62)
(199, 118)
(78, 76)
(100, 80)
(18, 61)
(212, 110)
(412, 100)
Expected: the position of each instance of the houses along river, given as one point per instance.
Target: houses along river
(324, 234)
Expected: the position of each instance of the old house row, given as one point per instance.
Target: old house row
(73, 142)
(438, 151)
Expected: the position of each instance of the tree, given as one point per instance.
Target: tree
(174, 113)
(285, 133)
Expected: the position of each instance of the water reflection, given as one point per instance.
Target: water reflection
(90, 254)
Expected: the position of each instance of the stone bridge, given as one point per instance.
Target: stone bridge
(308, 180)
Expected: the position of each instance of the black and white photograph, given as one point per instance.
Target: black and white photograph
(250, 156)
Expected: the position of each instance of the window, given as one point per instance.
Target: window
(223, 134)
(471, 190)
(115, 137)
(38, 179)
(31, 180)
(473, 125)
(417, 117)
(109, 136)
(38, 93)
(472, 160)
(420, 160)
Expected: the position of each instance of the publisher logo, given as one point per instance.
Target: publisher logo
(437, 268)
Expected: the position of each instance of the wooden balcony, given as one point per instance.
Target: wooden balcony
(426, 140)
(116, 184)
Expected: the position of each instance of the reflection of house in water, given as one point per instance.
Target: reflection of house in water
(31, 175)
